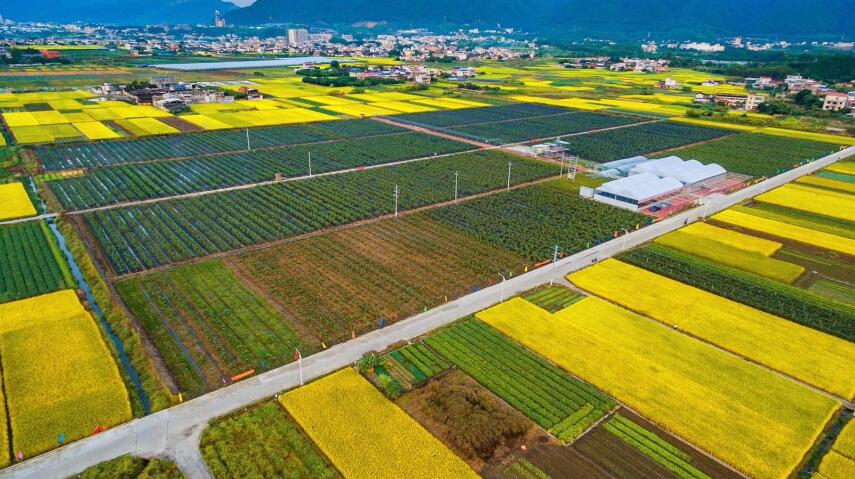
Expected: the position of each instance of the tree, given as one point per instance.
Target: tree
(335, 65)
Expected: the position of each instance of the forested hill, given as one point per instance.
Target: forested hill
(634, 18)
(115, 11)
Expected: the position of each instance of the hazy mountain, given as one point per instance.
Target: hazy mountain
(115, 11)
(630, 17)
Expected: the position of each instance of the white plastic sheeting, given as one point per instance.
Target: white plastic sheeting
(640, 187)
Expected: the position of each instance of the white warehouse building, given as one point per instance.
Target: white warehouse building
(650, 180)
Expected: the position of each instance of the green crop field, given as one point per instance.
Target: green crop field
(140, 237)
(756, 154)
(550, 397)
(207, 325)
(30, 262)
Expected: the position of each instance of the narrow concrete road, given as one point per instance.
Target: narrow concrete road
(171, 432)
(28, 219)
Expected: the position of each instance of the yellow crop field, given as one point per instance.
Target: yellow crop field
(95, 130)
(753, 419)
(577, 103)
(14, 202)
(331, 100)
(842, 186)
(2, 140)
(816, 358)
(720, 89)
(713, 124)
(807, 135)
(206, 122)
(31, 134)
(146, 127)
(728, 255)
(360, 109)
(839, 461)
(365, 435)
(205, 108)
(20, 118)
(845, 167)
(732, 238)
(49, 117)
(643, 107)
(59, 376)
(403, 106)
(65, 104)
(812, 200)
(449, 103)
(377, 97)
(77, 117)
(787, 231)
(660, 97)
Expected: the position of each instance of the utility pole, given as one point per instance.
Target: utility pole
(554, 255)
(310, 164)
(456, 175)
(396, 201)
(248, 148)
(502, 290)
(561, 171)
(625, 234)
(509, 176)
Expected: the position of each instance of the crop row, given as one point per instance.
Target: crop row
(638, 140)
(756, 154)
(526, 381)
(206, 325)
(529, 129)
(531, 221)
(130, 182)
(129, 151)
(471, 116)
(141, 237)
(29, 262)
(766, 295)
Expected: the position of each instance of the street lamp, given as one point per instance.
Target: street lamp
(456, 175)
(625, 234)
(502, 290)
(509, 175)
(310, 164)
(396, 201)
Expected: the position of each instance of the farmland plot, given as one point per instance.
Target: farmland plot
(805, 354)
(207, 326)
(551, 398)
(532, 220)
(59, 376)
(773, 297)
(530, 129)
(470, 116)
(262, 442)
(365, 435)
(140, 237)
(755, 154)
(90, 155)
(756, 421)
(130, 182)
(30, 263)
(839, 461)
(812, 200)
(613, 145)
(346, 281)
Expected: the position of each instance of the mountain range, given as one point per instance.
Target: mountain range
(659, 19)
(636, 18)
(115, 11)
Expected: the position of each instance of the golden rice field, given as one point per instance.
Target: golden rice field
(806, 135)
(147, 127)
(808, 355)
(716, 251)
(845, 167)
(732, 238)
(95, 130)
(754, 420)
(812, 200)
(787, 231)
(58, 374)
(206, 122)
(839, 461)
(14, 202)
(359, 109)
(713, 124)
(842, 186)
(365, 435)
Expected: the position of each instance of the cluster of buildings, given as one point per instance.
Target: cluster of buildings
(639, 65)
(167, 94)
(832, 100)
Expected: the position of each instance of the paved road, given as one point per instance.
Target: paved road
(175, 432)
(31, 218)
